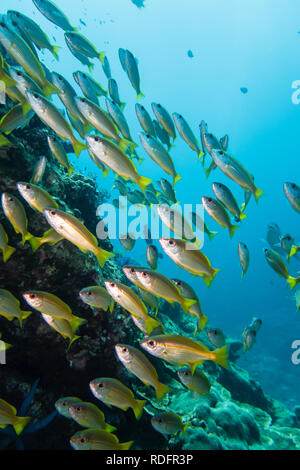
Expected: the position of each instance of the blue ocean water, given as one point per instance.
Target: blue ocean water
(250, 44)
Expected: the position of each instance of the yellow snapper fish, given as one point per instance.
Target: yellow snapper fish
(89, 86)
(36, 197)
(63, 404)
(294, 250)
(7, 250)
(235, 171)
(186, 257)
(150, 300)
(15, 213)
(244, 257)
(198, 382)
(39, 170)
(145, 120)
(164, 119)
(129, 300)
(127, 241)
(114, 93)
(89, 415)
(152, 256)
(186, 133)
(159, 155)
(168, 190)
(15, 119)
(275, 261)
(50, 237)
(83, 45)
(140, 366)
(119, 119)
(17, 48)
(113, 392)
(115, 159)
(167, 422)
(58, 151)
(52, 117)
(292, 192)
(97, 297)
(35, 33)
(175, 220)
(96, 439)
(195, 310)
(98, 163)
(8, 416)
(50, 304)
(10, 307)
(73, 230)
(62, 327)
(131, 274)
(140, 323)
(50, 10)
(161, 286)
(201, 225)
(181, 350)
(218, 212)
(226, 197)
(4, 346)
(24, 83)
(132, 71)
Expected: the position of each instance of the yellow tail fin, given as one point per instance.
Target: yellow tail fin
(35, 243)
(293, 281)
(211, 235)
(293, 251)
(76, 323)
(70, 170)
(111, 307)
(161, 390)
(243, 216)
(257, 193)
(75, 338)
(109, 428)
(185, 428)
(26, 237)
(186, 304)
(20, 423)
(78, 146)
(151, 324)
(23, 316)
(102, 256)
(202, 321)
(194, 366)
(49, 89)
(139, 96)
(143, 182)
(101, 56)
(105, 172)
(200, 154)
(54, 51)
(232, 229)
(126, 445)
(138, 408)
(176, 178)
(7, 252)
(221, 356)
(209, 279)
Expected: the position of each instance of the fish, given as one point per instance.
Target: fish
(52, 117)
(286, 243)
(36, 197)
(75, 231)
(81, 57)
(255, 325)
(276, 263)
(235, 171)
(39, 170)
(164, 119)
(4, 73)
(180, 350)
(149, 299)
(50, 237)
(167, 422)
(244, 90)
(216, 337)
(224, 141)
(294, 250)
(4, 346)
(151, 198)
(129, 300)
(168, 190)
(50, 304)
(186, 133)
(15, 119)
(218, 212)
(14, 211)
(7, 250)
(162, 134)
(121, 53)
(133, 73)
(121, 187)
(17, 48)
(225, 196)
(161, 286)
(195, 310)
(112, 392)
(186, 257)
(8, 416)
(97, 297)
(63, 404)
(89, 415)
(273, 237)
(198, 382)
(77, 125)
(24, 83)
(152, 257)
(88, 87)
(119, 119)
(127, 241)
(96, 439)
(159, 155)
(201, 225)
(61, 326)
(83, 45)
(35, 33)
(145, 119)
(190, 53)
(244, 257)
(115, 159)
(249, 341)
(131, 274)
(114, 93)
(176, 221)
(50, 10)
(10, 308)
(106, 67)
(139, 365)
(58, 151)
(297, 298)
(99, 164)
(292, 192)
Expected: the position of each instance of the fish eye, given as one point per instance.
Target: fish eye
(159, 106)
(53, 213)
(209, 199)
(221, 152)
(132, 270)
(89, 292)
(125, 350)
(112, 284)
(266, 250)
(10, 199)
(32, 296)
(144, 274)
(179, 116)
(186, 373)
(82, 100)
(148, 136)
(160, 420)
(78, 408)
(64, 404)
(172, 243)
(18, 73)
(100, 385)
(96, 139)
(28, 186)
(151, 343)
(3, 25)
(36, 96)
(293, 185)
(82, 440)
